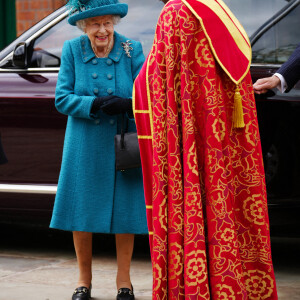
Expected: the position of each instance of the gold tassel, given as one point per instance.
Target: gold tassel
(238, 115)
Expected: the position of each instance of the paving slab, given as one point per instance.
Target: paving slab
(23, 277)
(39, 271)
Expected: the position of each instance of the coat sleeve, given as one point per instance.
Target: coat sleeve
(137, 60)
(291, 69)
(66, 101)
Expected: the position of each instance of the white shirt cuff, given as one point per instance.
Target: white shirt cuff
(283, 85)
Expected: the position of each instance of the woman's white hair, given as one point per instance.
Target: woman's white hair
(81, 24)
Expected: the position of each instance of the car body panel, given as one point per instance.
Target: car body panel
(32, 131)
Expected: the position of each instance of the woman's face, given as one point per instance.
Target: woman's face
(100, 31)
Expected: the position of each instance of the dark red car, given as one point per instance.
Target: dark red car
(32, 131)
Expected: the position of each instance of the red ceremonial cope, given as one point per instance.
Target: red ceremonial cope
(203, 179)
(231, 56)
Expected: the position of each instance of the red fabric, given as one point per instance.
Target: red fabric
(204, 181)
(222, 41)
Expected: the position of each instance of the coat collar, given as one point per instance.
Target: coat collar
(88, 54)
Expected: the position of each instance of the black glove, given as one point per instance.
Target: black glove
(98, 102)
(114, 105)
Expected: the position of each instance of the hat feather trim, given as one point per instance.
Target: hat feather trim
(76, 5)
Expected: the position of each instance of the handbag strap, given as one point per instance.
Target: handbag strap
(123, 132)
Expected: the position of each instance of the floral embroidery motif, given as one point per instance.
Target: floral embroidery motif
(259, 285)
(254, 210)
(196, 268)
(224, 292)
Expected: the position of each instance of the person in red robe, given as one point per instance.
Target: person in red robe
(201, 157)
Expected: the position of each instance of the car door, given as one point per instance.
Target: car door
(278, 115)
(273, 28)
(32, 131)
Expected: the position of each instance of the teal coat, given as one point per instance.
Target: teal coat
(91, 195)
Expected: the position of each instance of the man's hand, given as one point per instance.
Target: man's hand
(262, 85)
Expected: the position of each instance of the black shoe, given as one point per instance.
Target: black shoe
(125, 294)
(82, 293)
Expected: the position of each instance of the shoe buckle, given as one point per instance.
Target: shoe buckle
(83, 290)
(126, 291)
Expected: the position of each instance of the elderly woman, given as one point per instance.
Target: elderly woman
(94, 89)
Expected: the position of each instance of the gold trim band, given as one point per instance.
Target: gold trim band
(145, 137)
(142, 111)
(148, 94)
(236, 30)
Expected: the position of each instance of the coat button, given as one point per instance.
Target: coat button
(96, 91)
(109, 91)
(109, 76)
(111, 122)
(94, 75)
(94, 62)
(109, 62)
(97, 122)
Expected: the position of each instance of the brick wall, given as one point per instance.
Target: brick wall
(29, 12)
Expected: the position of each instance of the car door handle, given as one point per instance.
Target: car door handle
(267, 95)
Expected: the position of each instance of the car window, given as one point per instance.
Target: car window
(254, 13)
(136, 25)
(47, 48)
(277, 44)
(140, 25)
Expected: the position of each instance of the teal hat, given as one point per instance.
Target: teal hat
(83, 9)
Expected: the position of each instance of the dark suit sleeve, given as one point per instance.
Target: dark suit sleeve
(291, 69)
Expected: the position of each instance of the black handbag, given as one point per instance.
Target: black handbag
(127, 152)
